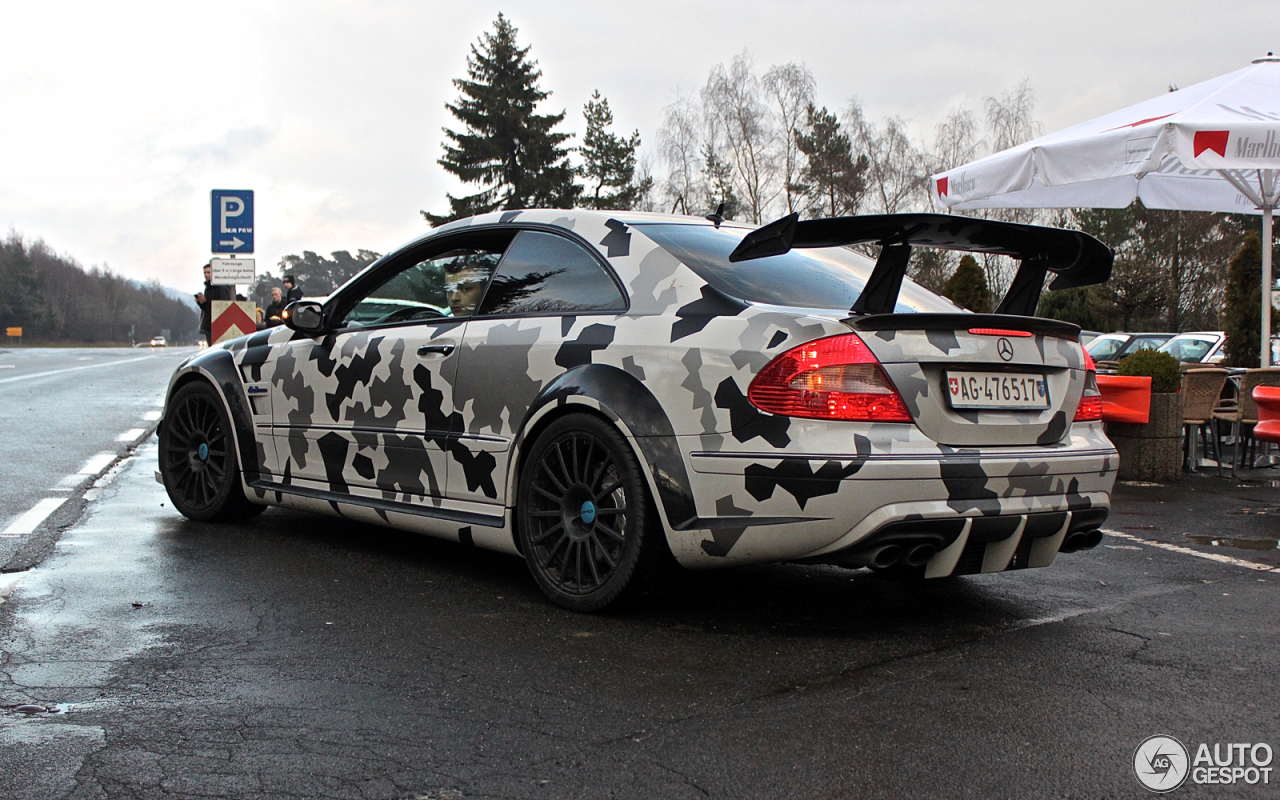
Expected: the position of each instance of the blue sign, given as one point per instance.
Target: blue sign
(232, 221)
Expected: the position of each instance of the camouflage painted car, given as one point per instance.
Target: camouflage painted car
(602, 391)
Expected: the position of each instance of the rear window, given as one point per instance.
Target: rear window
(827, 277)
(1187, 348)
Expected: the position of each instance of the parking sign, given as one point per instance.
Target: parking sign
(232, 220)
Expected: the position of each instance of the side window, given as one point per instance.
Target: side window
(444, 284)
(547, 274)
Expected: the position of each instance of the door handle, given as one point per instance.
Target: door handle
(435, 350)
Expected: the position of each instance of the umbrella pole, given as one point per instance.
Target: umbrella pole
(1265, 341)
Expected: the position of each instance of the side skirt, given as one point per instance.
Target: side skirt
(388, 506)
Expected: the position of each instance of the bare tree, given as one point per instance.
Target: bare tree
(957, 140)
(898, 171)
(743, 131)
(1009, 117)
(790, 88)
(680, 147)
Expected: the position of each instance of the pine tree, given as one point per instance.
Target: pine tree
(717, 176)
(608, 161)
(832, 180)
(1242, 308)
(967, 286)
(505, 147)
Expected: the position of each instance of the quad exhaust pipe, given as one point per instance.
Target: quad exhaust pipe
(889, 555)
(1081, 540)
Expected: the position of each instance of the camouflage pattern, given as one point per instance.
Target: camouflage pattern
(361, 415)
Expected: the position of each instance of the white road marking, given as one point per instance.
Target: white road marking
(7, 366)
(28, 522)
(151, 416)
(130, 435)
(71, 369)
(8, 583)
(68, 483)
(1187, 551)
(94, 465)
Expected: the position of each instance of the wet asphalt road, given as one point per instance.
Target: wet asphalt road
(65, 414)
(304, 657)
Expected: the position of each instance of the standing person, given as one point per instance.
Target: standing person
(205, 301)
(274, 314)
(291, 290)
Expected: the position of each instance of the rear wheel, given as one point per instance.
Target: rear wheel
(198, 460)
(584, 515)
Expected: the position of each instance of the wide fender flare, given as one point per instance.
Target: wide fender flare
(626, 401)
(218, 367)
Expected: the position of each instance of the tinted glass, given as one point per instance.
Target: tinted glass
(827, 277)
(447, 284)
(547, 274)
(1187, 348)
(1103, 348)
(1143, 343)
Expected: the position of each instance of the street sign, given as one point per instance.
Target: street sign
(232, 220)
(233, 318)
(230, 271)
(14, 331)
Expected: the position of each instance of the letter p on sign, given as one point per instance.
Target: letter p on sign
(232, 221)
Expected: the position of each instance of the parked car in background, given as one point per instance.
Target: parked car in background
(1115, 346)
(1196, 347)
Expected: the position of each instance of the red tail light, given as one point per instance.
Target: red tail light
(833, 378)
(1090, 408)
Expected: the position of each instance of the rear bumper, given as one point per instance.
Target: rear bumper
(812, 506)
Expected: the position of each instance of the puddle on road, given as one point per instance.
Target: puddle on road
(1257, 511)
(1241, 542)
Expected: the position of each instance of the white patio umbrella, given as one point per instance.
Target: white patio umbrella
(1214, 146)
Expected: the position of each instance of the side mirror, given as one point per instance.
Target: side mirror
(305, 316)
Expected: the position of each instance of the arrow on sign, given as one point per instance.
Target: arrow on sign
(234, 241)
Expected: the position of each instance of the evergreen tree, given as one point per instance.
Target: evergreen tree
(967, 286)
(608, 161)
(832, 181)
(506, 148)
(1086, 306)
(717, 176)
(1242, 309)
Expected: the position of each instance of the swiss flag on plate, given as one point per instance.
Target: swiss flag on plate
(955, 385)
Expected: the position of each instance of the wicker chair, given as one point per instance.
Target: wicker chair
(1244, 412)
(1200, 391)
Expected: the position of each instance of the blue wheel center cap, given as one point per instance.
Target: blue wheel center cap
(203, 452)
(587, 512)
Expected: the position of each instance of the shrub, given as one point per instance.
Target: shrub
(1162, 368)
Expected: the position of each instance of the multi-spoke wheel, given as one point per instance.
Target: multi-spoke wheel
(197, 457)
(583, 514)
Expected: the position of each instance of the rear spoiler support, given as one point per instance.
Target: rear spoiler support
(1076, 258)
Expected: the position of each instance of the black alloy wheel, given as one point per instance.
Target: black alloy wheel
(583, 514)
(197, 457)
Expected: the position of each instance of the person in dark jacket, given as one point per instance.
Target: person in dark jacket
(274, 313)
(205, 301)
(292, 291)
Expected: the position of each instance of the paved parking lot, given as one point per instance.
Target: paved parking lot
(300, 656)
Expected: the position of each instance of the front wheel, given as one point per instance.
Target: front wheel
(198, 460)
(584, 516)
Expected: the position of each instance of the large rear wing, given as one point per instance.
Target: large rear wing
(1076, 258)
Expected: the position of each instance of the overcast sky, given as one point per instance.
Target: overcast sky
(119, 118)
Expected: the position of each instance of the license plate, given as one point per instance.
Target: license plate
(997, 389)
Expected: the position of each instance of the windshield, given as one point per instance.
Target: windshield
(1104, 347)
(1187, 348)
(828, 277)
